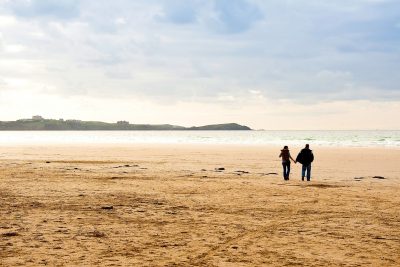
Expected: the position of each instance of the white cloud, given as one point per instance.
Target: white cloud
(6, 21)
(15, 48)
(120, 21)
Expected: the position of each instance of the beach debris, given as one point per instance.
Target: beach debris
(375, 177)
(220, 169)
(96, 233)
(107, 207)
(159, 203)
(9, 234)
(36, 204)
(126, 166)
(242, 172)
(269, 173)
(48, 162)
(324, 186)
(116, 177)
(235, 247)
(171, 212)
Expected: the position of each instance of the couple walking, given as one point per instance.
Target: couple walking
(305, 157)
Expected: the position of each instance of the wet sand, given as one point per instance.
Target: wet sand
(167, 205)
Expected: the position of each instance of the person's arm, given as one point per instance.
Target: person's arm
(290, 156)
(297, 158)
(280, 155)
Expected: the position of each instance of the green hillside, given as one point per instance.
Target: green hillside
(77, 125)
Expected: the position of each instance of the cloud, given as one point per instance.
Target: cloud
(205, 51)
(2, 84)
(218, 16)
(59, 9)
(2, 45)
(179, 12)
(235, 16)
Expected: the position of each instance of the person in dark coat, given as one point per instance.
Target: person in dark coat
(285, 155)
(305, 157)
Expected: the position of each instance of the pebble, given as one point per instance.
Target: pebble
(8, 234)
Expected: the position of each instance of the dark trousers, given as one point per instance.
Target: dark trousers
(306, 169)
(286, 169)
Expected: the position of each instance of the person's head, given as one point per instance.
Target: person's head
(307, 146)
(285, 147)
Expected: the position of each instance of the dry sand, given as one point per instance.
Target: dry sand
(167, 206)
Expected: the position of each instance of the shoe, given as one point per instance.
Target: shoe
(302, 178)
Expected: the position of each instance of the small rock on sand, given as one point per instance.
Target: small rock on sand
(107, 207)
(378, 177)
(242, 171)
(9, 234)
(96, 233)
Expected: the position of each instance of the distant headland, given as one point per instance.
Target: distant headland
(38, 123)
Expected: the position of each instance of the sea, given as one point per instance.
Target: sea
(389, 139)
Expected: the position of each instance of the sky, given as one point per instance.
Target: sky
(267, 64)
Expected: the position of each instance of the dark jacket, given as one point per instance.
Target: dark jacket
(305, 156)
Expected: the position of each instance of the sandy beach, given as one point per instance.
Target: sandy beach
(167, 205)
